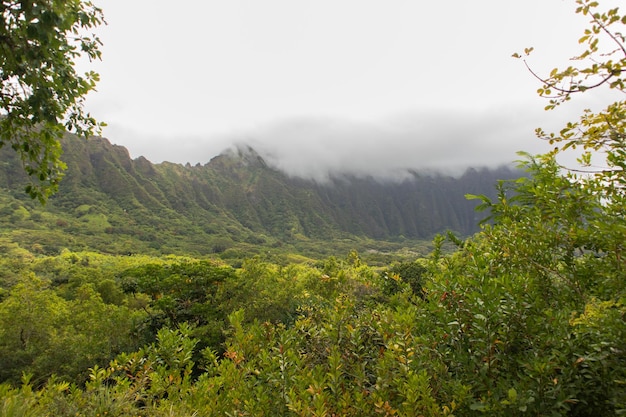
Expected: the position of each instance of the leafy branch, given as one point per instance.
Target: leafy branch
(597, 134)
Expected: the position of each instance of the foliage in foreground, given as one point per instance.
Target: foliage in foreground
(41, 93)
(525, 318)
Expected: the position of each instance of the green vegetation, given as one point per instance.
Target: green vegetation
(525, 317)
(233, 207)
(41, 95)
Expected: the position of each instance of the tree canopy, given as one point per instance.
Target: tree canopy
(41, 93)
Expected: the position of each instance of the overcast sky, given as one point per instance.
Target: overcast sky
(356, 85)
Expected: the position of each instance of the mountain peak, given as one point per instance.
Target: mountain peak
(244, 154)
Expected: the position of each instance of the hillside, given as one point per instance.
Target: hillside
(110, 202)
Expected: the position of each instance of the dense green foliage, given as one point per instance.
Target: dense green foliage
(41, 94)
(525, 317)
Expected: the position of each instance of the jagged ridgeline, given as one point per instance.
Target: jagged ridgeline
(112, 203)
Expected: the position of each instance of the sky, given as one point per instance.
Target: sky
(358, 86)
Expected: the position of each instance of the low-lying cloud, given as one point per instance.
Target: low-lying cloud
(319, 148)
(431, 141)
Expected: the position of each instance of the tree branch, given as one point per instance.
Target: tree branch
(578, 86)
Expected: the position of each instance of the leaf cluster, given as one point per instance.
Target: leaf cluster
(41, 93)
(602, 64)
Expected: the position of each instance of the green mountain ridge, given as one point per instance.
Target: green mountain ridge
(113, 203)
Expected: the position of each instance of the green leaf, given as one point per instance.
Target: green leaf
(512, 394)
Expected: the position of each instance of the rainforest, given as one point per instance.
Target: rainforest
(129, 288)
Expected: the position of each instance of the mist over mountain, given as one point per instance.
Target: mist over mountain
(236, 199)
(443, 140)
(310, 148)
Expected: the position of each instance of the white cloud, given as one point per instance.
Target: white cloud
(370, 85)
(432, 140)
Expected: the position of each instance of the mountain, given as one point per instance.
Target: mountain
(112, 203)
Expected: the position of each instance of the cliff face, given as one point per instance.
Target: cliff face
(237, 196)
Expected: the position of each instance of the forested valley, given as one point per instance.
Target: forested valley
(231, 289)
(525, 316)
(233, 207)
